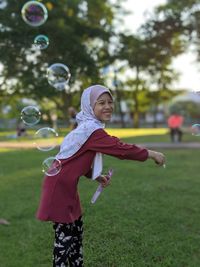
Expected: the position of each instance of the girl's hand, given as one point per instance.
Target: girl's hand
(158, 157)
(103, 180)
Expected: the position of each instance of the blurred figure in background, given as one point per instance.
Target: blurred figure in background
(21, 129)
(175, 122)
(72, 118)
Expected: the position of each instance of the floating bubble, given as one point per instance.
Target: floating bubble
(51, 166)
(30, 115)
(3, 4)
(195, 129)
(45, 139)
(41, 42)
(58, 76)
(34, 13)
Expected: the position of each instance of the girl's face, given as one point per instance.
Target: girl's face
(103, 108)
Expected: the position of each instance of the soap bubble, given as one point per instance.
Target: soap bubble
(3, 4)
(58, 76)
(41, 42)
(51, 166)
(195, 129)
(34, 13)
(45, 139)
(30, 115)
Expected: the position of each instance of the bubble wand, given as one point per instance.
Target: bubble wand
(100, 187)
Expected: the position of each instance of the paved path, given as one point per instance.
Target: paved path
(16, 145)
(191, 145)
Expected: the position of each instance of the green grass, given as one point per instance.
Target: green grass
(148, 217)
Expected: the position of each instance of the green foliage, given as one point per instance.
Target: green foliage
(150, 55)
(78, 38)
(187, 20)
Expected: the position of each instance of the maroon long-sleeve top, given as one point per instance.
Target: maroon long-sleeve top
(60, 199)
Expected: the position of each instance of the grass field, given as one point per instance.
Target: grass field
(148, 217)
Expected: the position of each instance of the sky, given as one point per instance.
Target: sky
(185, 64)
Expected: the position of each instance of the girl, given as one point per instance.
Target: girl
(80, 154)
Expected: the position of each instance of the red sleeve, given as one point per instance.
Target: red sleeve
(100, 141)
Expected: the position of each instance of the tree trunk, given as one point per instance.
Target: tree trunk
(66, 104)
(155, 123)
(118, 95)
(136, 121)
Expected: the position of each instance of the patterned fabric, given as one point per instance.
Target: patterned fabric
(68, 249)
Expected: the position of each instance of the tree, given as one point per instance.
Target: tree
(79, 33)
(186, 16)
(135, 51)
(165, 41)
(137, 92)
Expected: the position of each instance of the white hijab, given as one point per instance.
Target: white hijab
(87, 124)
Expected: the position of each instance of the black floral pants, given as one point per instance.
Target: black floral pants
(68, 249)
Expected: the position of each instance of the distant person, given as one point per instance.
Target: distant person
(175, 122)
(21, 129)
(72, 118)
